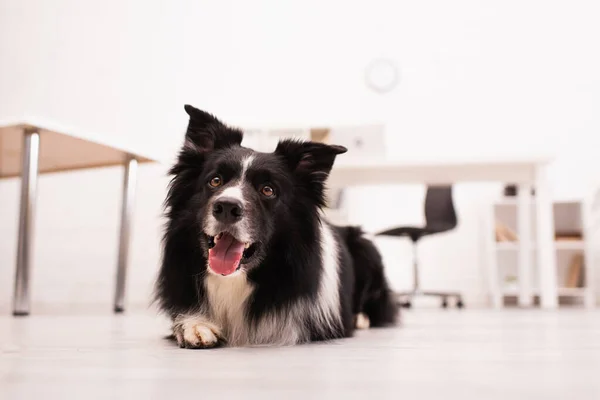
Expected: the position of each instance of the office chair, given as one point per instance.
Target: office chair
(440, 216)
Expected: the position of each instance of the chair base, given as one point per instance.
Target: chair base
(405, 298)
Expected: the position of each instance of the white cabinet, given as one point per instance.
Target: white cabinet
(576, 232)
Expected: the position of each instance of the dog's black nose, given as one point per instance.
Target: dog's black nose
(228, 210)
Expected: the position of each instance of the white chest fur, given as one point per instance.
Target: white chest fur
(227, 298)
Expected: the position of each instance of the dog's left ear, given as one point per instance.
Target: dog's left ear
(310, 161)
(205, 132)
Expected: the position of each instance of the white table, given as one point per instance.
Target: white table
(35, 147)
(526, 172)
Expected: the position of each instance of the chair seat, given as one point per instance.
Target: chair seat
(413, 232)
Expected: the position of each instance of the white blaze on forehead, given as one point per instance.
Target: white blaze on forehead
(245, 165)
(235, 191)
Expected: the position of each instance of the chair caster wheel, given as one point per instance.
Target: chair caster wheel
(445, 303)
(460, 303)
(406, 304)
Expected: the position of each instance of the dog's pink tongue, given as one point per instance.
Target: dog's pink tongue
(225, 257)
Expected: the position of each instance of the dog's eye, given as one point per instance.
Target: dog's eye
(267, 191)
(216, 181)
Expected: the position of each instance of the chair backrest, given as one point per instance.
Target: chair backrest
(440, 214)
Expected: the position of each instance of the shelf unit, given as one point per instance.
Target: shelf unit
(575, 231)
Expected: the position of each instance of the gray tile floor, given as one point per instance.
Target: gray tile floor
(473, 354)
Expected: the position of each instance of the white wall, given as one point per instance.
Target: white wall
(478, 77)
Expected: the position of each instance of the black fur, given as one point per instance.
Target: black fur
(286, 263)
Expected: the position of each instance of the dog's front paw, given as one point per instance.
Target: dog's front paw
(362, 321)
(197, 334)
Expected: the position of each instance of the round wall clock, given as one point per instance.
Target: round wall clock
(382, 75)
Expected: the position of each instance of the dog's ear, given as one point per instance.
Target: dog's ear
(205, 132)
(310, 162)
(311, 159)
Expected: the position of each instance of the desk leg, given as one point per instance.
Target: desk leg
(524, 223)
(129, 183)
(29, 175)
(546, 256)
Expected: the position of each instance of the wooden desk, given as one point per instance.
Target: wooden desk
(526, 172)
(28, 149)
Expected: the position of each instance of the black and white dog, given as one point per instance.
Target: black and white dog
(248, 258)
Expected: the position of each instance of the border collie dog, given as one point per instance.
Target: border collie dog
(248, 258)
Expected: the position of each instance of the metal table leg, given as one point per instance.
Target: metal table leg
(129, 183)
(29, 175)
